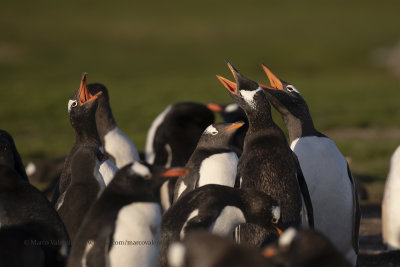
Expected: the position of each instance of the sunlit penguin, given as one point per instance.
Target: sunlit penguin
(304, 247)
(218, 209)
(267, 163)
(390, 205)
(116, 144)
(201, 248)
(81, 182)
(213, 161)
(174, 134)
(232, 113)
(332, 188)
(123, 226)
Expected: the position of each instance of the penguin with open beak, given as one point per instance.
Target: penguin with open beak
(326, 171)
(267, 163)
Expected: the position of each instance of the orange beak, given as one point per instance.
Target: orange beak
(278, 230)
(214, 107)
(275, 82)
(175, 172)
(234, 126)
(231, 86)
(269, 252)
(84, 94)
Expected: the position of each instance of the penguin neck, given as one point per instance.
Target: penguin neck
(104, 120)
(299, 127)
(88, 135)
(259, 122)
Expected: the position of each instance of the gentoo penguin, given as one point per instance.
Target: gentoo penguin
(116, 144)
(173, 135)
(32, 244)
(21, 203)
(123, 227)
(218, 209)
(232, 113)
(267, 163)
(213, 161)
(203, 249)
(81, 181)
(390, 205)
(81, 109)
(304, 247)
(331, 186)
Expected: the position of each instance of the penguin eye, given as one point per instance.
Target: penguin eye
(72, 104)
(291, 88)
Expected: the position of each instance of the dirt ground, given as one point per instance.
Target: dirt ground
(372, 251)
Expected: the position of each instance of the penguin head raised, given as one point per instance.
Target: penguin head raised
(284, 96)
(219, 135)
(82, 108)
(290, 104)
(248, 94)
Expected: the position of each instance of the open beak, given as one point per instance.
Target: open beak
(175, 172)
(84, 94)
(274, 81)
(234, 126)
(214, 107)
(231, 86)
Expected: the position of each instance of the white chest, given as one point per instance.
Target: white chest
(219, 169)
(118, 145)
(136, 235)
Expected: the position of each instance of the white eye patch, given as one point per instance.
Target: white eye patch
(72, 104)
(248, 96)
(211, 130)
(291, 88)
(231, 107)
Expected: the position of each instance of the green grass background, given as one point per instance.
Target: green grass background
(153, 53)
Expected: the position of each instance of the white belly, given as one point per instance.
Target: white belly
(118, 145)
(219, 169)
(391, 204)
(136, 235)
(331, 192)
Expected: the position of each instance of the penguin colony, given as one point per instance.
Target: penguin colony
(236, 193)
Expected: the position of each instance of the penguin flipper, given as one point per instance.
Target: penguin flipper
(304, 191)
(356, 212)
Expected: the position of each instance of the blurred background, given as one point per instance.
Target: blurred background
(344, 56)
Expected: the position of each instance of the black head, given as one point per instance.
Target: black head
(289, 102)
(219, 135)
(127, 181)
(285, 97)
(248, 95)
(230, 112)
(262, 209)
(9, 155)
(82, 108)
